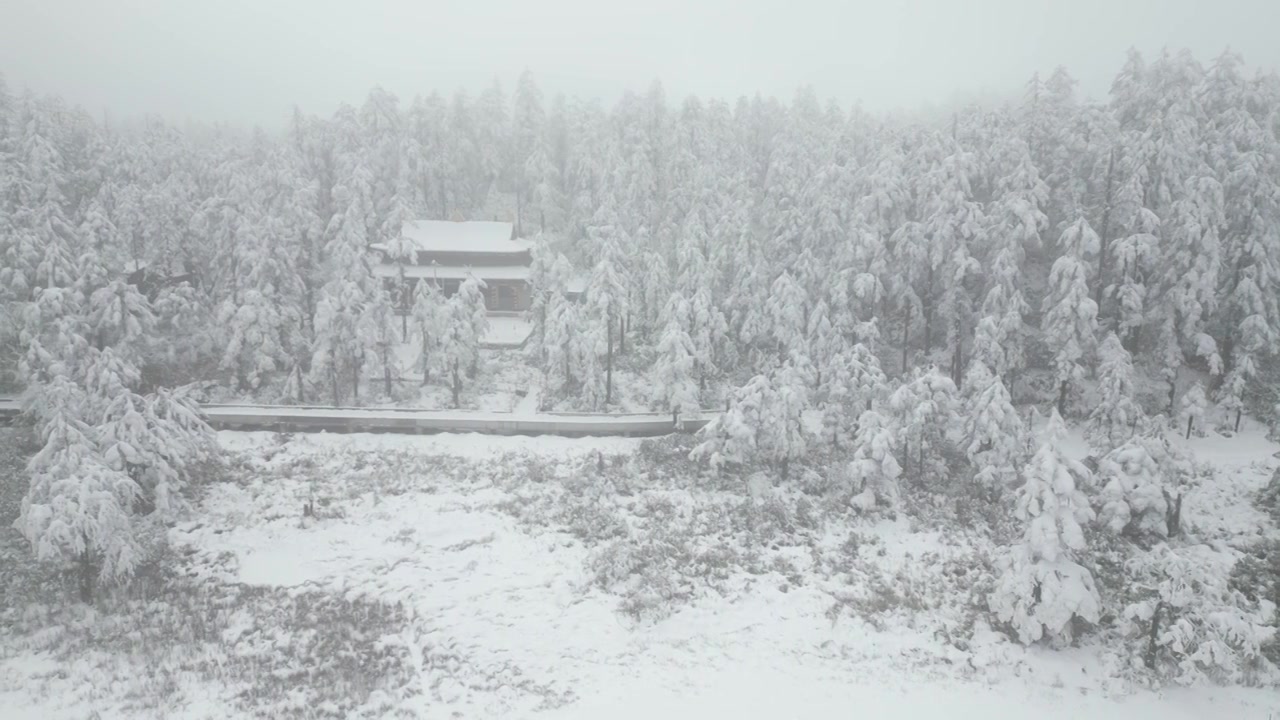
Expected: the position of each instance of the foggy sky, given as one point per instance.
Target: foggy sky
(251, 61)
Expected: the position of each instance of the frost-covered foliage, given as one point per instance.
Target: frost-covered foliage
(1133, 491)
(763, 423)
(674, 384)
(1192, 624)
(1043, 588)
(78, 509)
(874, 471)
(460, 333)
(993, 430)
(1191, 410)
(851, 383)
(1117, 416)
(925, 408)
(1070, 314)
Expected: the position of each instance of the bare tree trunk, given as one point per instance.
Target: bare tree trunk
(457, 386)
(1172, 513)
(1104, 246)
(386, 370)
(608, 366)
(1153, 634)
(1062, 398)
(88, 575)
(928, 314)
(906, 333)
(1190, 420)
(1239, 412)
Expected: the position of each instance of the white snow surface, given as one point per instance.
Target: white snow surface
(539, 640)
(463, 236)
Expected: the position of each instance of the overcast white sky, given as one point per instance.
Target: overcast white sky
(250, 61)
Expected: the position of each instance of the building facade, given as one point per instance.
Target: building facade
(446, 253)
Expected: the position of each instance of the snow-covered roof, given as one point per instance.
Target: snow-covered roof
(454, 272)
(463, 236)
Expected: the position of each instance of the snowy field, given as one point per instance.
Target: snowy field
(495, 577)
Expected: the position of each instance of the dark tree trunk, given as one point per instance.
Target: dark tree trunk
(87, 576)
(1153, 635)
(928, 314)
(906, 334)
(1104, 246)
(1190, 420)
(608, 367)
(1062, 399)
(1239, 412)
(957, 361)
(1172, 513)
(386, 371)
(622, 336)
(333, 377)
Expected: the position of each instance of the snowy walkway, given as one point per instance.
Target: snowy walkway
(322, 419)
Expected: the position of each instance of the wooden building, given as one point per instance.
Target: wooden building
(446, 252)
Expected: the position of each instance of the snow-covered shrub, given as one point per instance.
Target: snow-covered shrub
(1269, 498)
(1043, 589)
(1191, 410)
(873, 472)
(679, 552)
(1132, 498)
(1191, 625)
(764, 423)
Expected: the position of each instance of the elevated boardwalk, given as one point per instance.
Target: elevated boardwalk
(283, 418)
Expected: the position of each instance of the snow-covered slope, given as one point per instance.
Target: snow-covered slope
(491, 552)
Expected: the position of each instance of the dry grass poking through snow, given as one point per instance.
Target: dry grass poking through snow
(506, 577)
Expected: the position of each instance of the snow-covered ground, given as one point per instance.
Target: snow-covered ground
(505, 567)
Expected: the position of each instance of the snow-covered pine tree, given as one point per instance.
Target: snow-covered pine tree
(1191, 410)
(674, 384)
(924, 408)
(1117, 416)
(428, 314)
(993, 430)
(1042, 588)
(471, 296)
(459, 340)
(155, 440)
(1070, 316)
(1132, 498)
(379, 331)
(76, 512)
(763, 423)
(609, 290)
(874, 471)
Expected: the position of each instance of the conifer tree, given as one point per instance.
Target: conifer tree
(1070, 315)
(1043, 587)
(1116, 416)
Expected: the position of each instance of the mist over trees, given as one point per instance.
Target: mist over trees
(911, 284)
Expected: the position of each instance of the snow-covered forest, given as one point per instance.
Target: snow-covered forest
(1030, 329)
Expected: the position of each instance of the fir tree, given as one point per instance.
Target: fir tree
(1043, 588)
